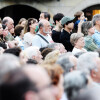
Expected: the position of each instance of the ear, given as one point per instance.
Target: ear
(30, 95)
(93, 73)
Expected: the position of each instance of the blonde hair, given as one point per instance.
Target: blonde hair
(74, 37)
(52, 57)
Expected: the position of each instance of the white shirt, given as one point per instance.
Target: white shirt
(39, 42)
(76, 50)
(28, 37)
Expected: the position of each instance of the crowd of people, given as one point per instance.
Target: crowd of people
(40, 60)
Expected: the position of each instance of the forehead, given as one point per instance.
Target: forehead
(42, 14)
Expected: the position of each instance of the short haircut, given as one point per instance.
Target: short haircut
(57, 17)
(18, 29)
(95, 18)
(74, 38)
(15, 51)
(46, 15)
(32, 61)
(78, 14)
(4, 21)
(21, 20)
(86, 26)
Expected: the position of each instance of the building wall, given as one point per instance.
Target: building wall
(68, 7)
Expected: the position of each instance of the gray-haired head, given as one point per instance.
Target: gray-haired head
(73, 82)
(8, 62)
(66, 63)
(52, 45)
(86, 61)
(95, 18)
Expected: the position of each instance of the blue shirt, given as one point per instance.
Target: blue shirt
(96, 37)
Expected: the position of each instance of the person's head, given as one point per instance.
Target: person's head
(52, 57)
(30, 25)
(92, 68)
(87, 28)
(5, 30)
(39, 76)
(46, 51)
(19, 30)
(44, 15)
(8, 62)
(33, 53)
(57, 46)
(15, 51)
(22, 22)
(79, 15)
(57, 17)
(44, 27)
(73, 83)
(96, 20)
(77, 39)
(67, 23)
(56, 74)
(68, 62)
(9, 22)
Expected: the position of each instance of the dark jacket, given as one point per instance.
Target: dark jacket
(65, 40)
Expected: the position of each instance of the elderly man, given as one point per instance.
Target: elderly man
(26, 84)
(42, 38)
(33, 53)
(9, 22)
(96, 35)
(90, 63)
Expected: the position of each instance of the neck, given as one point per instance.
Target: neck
(89, 34)
(57, 28)
(21, 37)
(97, 27)
(68, 30)
(78, 47)
(32, 31)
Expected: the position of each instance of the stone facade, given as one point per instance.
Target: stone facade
(68, 7)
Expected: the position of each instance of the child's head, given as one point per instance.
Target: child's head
(79, 15)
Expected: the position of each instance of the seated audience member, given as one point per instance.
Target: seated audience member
(19, 33)
(8, 62)
(15, 51)
(77, 41)
(29, 31)
(25, 84)
(90, 63)
(79, 18)
(56, 74)
(72, 86)
(96, 35)
(68, 62)
(33, 53)
(57, 29)
(52, 57)
(68, 26)
(88, 30)
(46, 51)
(22, 22)
(57, 46)
(42, 38)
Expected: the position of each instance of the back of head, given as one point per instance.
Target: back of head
(46, 15)
(53, 45)
(15, 51)
(86, 61)
(57, 17)
(8, 62)
(16, 85)
(85, 27)
(95, 18)
(73, 82)
(78, 14)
